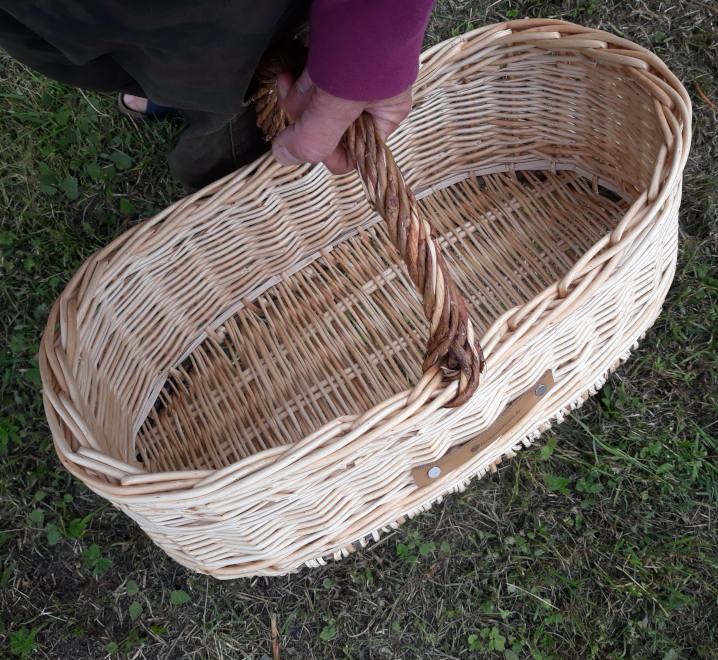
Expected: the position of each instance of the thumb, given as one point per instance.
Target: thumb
(315, 135)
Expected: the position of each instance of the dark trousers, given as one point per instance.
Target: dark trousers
(198, 56)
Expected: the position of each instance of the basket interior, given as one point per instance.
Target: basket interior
(347, 331)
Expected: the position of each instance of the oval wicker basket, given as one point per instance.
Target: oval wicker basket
(241, 374)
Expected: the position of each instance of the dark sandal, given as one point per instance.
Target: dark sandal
(154, 111)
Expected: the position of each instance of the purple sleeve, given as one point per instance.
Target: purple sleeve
(366, 50)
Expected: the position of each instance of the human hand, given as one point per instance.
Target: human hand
(320, 119)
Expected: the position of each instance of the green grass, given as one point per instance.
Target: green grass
(601, 543)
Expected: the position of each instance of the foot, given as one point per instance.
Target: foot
(136, 103)
(140, 107)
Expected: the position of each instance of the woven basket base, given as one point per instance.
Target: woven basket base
(347, 331)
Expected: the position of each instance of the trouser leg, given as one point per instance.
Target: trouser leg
(213, 145)
(197, 57)
(101, 74)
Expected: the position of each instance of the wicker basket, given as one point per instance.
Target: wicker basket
(242, 373)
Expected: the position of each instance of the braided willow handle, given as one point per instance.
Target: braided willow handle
(452, 343)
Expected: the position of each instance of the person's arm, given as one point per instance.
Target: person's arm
(363, 55)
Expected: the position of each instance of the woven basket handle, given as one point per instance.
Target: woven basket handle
(451, 344)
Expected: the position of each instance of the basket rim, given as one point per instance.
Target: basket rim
(507, 334)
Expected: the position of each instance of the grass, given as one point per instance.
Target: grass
(601, 543)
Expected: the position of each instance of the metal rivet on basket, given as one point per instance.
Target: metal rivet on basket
(540, 390)
(434, 472)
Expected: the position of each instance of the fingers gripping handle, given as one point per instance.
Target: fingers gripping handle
(452, 344)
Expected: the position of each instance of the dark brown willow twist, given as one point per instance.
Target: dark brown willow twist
(451, 343)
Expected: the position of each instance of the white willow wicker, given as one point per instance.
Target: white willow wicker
(241, 374)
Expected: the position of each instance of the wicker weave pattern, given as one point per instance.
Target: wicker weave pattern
(258, 345)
